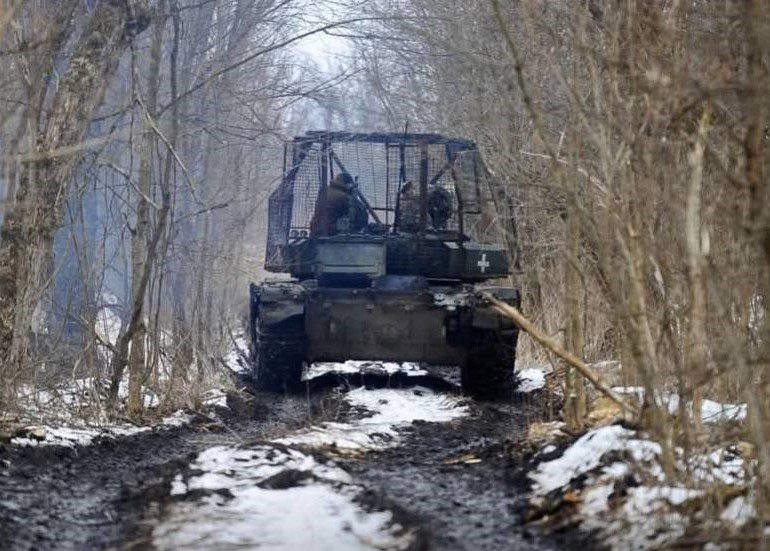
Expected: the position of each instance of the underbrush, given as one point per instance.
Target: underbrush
(619, 481)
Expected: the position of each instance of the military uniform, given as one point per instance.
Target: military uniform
(409, 208)
(338, 209)
(439, 207)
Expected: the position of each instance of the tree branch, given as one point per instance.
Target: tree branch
(547, 342)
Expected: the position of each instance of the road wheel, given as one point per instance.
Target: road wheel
(488, 372)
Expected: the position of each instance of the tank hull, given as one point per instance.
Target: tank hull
(371, 324)
(294, 324)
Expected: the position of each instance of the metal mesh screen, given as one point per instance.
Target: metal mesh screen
(468, 175)
(439, 171)
(306, 185)
(376, 165)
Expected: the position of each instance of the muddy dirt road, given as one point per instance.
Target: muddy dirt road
(342, 467)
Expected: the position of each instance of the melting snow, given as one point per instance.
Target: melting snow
(215, 397)
(226, 466)
(85, 435)
(275, 497)
(248, 507)
(85, 394)
(711, 411)
(177, 419)
(740, 511)
(714, 412)
(585, 455)
(720, 466)
(531, 379)
(235, 360)
(644, 499)
(644, 512)
(71, 437)
(596, 499)
(392, 408)
(354, 366)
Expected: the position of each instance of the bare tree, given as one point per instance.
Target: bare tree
(26, 237)
(629, 137)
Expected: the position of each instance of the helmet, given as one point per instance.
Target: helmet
(343, 181)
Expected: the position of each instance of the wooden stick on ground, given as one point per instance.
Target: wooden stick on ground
(580, 366)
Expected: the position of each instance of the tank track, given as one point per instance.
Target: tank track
(279, 356)
(489, 369)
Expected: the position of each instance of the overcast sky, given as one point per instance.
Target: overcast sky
(322, 48)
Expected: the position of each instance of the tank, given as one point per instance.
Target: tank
(386, 242)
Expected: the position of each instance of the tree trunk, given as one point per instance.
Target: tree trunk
(139, 253)
(574, 396)
(142, 268)
(759, 224)
(26, 236)
(696, 261)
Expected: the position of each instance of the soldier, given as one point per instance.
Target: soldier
(338, 206)
(409, 208)
(439, 207)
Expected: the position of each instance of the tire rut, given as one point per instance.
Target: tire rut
(110, 495)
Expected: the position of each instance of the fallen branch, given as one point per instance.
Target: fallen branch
(580, 366)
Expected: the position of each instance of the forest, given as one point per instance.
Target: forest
(626, 164)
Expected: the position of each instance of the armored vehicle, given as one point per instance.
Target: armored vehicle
(386, 240)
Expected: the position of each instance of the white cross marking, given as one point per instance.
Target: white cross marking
(483, 264)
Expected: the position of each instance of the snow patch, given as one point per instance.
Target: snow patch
(277, 497)
(68, 399)
(645, 500)
(585, 455)
(531, 379)
(711, 411)
(215, 398)
(714, 412)
(722, 466)
(409, 369)
(272, 497)
(177, 419)
(227, 467)
(71, 437)
(740, 511)
(614, 477)
(235, 359)
(390, 408)
(596, 499)
(85, 435)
